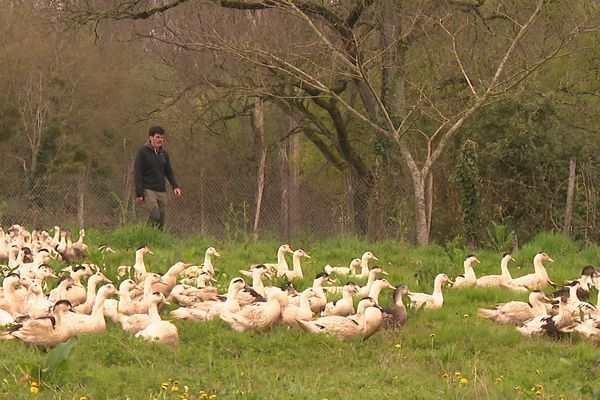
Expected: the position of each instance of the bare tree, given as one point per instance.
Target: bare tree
(412, 72)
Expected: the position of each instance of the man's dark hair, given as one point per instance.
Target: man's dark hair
(156, 130)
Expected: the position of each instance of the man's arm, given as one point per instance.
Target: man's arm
(170, 175)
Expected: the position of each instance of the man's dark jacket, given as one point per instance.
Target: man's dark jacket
(150, 170)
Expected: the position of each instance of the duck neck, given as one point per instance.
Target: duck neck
(539, 268)
(374, 292)
(281, 262)
(304, 301)
(208, 266)
(504, 267)
(296, 264)
(257, 283)
(124, 296)
(469, 272)
(91, 290)
(347, 296)
(153, 311)
(364, 266)
(437, 287)
(98, 309)
(538, 306)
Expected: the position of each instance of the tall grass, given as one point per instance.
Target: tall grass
(439, 354)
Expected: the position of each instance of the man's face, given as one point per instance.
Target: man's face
(156, 141)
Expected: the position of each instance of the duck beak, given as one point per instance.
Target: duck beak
(549, 259)
(384, 272)
(217, 254)
(450, 282)
(375, 258)
(150, 252)
(477, 261)
(307, 256)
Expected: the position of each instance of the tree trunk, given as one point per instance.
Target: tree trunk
(348, 222)
(294, 180)
(568, 226)
(261, 151)
(421, 211)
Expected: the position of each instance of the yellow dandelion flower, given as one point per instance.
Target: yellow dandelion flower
(463, 381)
(518, 388)
(537, 371)
(5, 381)
(164, 385)
(175, 382)
(538, 393)
(561, 397)
(213, 397)
(445, 376)
(498, 380)
(539, 387)
(465, 315)
(34, 383)
(431, 335)
(83, 398)
(457, 374)
(34, 389)
(203, 396)
(398, 345)
(174, 388)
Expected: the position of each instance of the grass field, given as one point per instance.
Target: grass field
(439, 354)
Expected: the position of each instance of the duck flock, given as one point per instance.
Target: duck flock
(82, 297)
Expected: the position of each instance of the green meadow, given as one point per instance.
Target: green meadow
(439, 354)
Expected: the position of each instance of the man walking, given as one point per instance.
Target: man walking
(152, 166)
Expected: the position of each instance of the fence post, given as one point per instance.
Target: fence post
(202, 207)
(285, 186)
(81, 191)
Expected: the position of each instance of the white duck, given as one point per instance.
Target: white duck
(539, 279)
(208, 310)
(186, 295)
(83, 324)
(344, 306)
(258, 316)
(430, 301)
(43, 331)
(354, 264)
(364, 290)
(208, 265)
(468, 279)
(302, 312)
(364, 265)
(342, 328)
(113, 307)
(139, 267)
(296, 272)
(377, 287)
(282, 266)
(93, 281)
(77, 293)
(552, 325)
(164, 332)
(517, 312)
(319, 300)
(169, 279)
(498, 280)
(136, 322)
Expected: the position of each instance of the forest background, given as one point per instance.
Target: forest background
(418, 121)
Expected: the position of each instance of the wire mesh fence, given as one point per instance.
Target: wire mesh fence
(212, 206)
